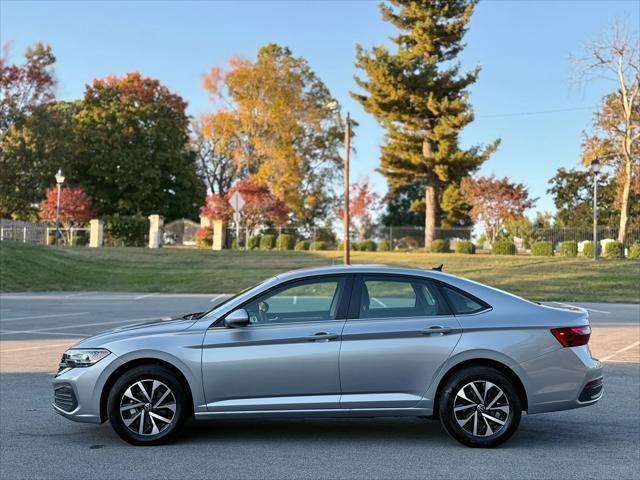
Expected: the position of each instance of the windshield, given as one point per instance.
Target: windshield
(232, 297)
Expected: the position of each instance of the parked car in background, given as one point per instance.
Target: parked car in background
(344, 341)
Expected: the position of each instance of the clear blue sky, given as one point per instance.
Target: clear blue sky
(523, 47)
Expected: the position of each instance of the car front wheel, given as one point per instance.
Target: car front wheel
(480, 407)
(147, 405)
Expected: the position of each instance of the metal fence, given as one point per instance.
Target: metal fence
(180, 232)
(42, 233)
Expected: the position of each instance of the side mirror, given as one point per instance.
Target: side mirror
(237, 318)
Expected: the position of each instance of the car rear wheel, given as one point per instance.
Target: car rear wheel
(480, 407)
(147, 405)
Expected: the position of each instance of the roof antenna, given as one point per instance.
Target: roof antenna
(439, 267)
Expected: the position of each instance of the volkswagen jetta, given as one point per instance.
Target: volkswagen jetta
(355, 341)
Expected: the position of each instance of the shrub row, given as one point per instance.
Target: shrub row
(125, 230)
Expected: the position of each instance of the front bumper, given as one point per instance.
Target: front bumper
(563, 379)
(78, 391)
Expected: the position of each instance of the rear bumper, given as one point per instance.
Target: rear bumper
(563, 379)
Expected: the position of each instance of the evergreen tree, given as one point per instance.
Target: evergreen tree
(419, 96)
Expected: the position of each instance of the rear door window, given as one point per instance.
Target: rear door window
(463, 303)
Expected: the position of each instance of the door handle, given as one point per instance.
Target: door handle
(322, 337)
(439, 330)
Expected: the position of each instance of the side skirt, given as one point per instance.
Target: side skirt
(319, 413)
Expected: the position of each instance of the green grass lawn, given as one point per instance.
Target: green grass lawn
(27, 267)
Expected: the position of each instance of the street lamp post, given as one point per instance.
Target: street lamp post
(59, 182)
(595, 169)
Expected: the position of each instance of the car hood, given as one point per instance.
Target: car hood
(154, 327)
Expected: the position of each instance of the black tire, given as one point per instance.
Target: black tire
(146, 374)
(489, 433)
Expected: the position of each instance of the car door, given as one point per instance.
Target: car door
(399, 332)
(287, 357)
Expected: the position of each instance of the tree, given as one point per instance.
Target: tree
(260, 206)
(25, 87)
(572, 192)
(288, 137)
(494, 201)
(363, 202)
(404, 205)
(216, 144)
(75, 208)
(134, 154)
(28, 141)
(617, 125)
(420, 97)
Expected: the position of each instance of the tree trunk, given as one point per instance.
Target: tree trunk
(431, 210)
(430, 196)
(624, 206)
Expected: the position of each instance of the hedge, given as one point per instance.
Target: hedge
(267, 242)
(503, 247)
(284, 242)
(319, 245)
(301, 245)
(204, 238)
(384, 246)
(125, 230)
(587, 249)
(366, 246)
(253, 242)
(465, 246)
(612, 250)
(634, 250)
(542, 249)
(440, 246)
(568, 249)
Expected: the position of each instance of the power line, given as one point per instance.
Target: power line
(538, 112)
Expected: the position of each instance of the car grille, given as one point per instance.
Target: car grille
(65, 398)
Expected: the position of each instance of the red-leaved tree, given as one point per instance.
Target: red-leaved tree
(260, 206)
(363, 202)
(75, 207)
(494, 201)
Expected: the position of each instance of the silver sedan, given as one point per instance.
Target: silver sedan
(355, 341)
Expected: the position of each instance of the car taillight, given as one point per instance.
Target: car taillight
(572, 336)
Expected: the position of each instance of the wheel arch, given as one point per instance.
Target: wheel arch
(137, 362)
(485, 362)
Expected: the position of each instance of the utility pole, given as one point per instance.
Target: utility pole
(595, 169)
(347, 147)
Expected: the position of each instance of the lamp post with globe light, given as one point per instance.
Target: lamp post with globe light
(59, 182)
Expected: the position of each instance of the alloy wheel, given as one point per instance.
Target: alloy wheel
(481, 408)
(148, 407)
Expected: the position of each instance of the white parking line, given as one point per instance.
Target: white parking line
(218, 297)
(146, 296)
(79, 294)
(628, 347)
(33, 317)
(15, 332)
(44, 330)
(41, 347)
(585, 308)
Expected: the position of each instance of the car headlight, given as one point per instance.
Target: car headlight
(76, 358)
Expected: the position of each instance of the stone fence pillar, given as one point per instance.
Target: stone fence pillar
(219, 231)
(96, 234)
(156, 224)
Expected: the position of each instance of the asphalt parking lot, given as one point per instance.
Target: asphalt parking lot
(600, 441)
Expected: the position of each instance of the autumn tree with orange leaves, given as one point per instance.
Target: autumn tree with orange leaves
(494, 201)
(284, 133)
(260, 205)
(363, 202)
(75, 208)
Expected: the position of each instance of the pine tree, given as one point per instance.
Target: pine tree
(419, 96)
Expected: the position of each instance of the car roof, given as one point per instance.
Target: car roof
(354, 269)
